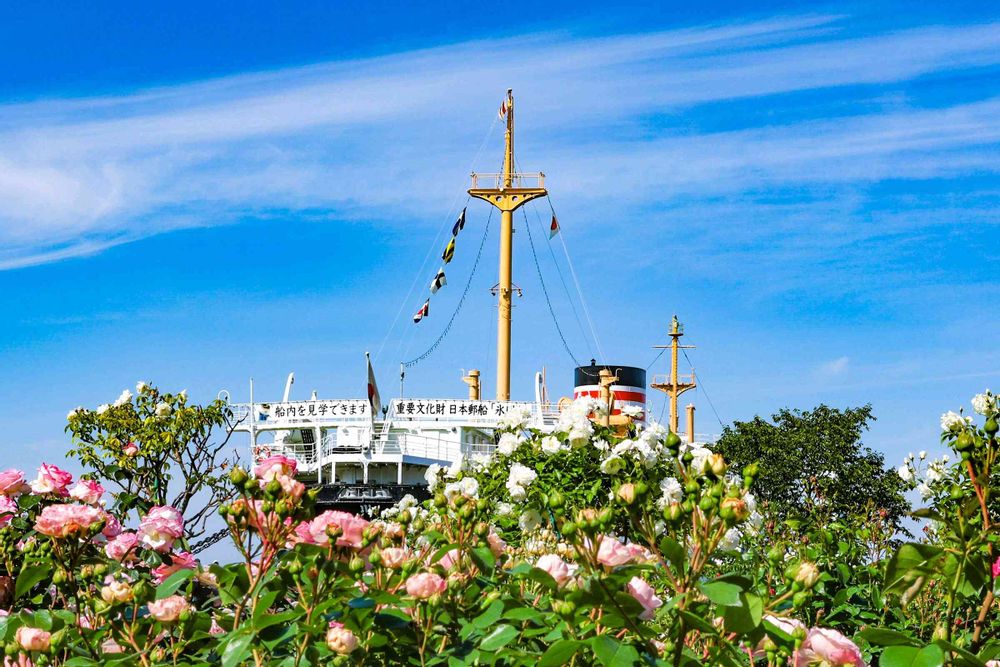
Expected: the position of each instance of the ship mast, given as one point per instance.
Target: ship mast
(510, 191)
(676, 384)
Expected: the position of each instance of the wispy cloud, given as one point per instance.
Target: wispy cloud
(80, 175)
(835, 367)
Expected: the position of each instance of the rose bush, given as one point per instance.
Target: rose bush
(577, 545)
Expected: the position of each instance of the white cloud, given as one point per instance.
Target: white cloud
(392, 136)
(834, 368)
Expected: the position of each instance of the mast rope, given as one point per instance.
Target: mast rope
(451, 212)
(576, 281)
(458, 307)
(545, 291)
(559, 272)
(701, 384)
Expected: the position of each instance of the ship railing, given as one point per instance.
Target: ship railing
(421, 446)
(303, 454)
(518, 181)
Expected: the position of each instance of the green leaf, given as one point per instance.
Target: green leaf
(612, 653)
(745, 617)
(560, 653)
(30, 576)
(885, 637)
(500, 637)
(172, 583)
(490, 616)
(237, 647)
(484, 559)
(911, 656)
(722, 593)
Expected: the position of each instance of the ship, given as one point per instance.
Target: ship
(365, 456)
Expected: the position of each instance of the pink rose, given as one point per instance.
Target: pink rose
(130, 450)
(87, 491)
(613, 553)
(450, 559)
(12, 482)
(65, 520)
(497, 545)
(829, 646)
(8, 509)
(111, 646)
(168, 610)
(339, 639)
(160, 527)
(351, 529)
(394, 557)
(424, 585)
(275, 465)
(51, 480)
(290, 486)
(182, 560)
(996, 569)
(119, 547)
(644, 595)
(112, 527)
(557, 568)
(32, 639)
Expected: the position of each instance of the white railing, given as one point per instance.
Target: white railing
(422, 446)
(304, 455)
(525, 181)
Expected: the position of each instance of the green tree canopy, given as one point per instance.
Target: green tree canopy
(813, 464)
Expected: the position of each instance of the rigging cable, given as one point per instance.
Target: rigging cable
(576, 281)
(702, 385)
(433, 246)
(562, 280)
(447, 328)
(545, 291)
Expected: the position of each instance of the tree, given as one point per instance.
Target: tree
(813, 464)
(158, 450)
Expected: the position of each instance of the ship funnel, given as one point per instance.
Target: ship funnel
(628, 390)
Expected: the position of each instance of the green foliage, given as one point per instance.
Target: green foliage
(814, 465)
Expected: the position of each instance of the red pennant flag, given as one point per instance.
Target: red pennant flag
(554, 227)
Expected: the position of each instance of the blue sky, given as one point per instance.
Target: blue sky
(191, 194)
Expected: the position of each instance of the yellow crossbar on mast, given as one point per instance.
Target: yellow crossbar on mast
(510, 191)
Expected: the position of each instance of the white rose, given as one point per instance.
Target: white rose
(469, 486)
(140, 387)
(163, 409)
(934, 473)
(924, 489)
(905, 473)
(601, 445)
(981, 402)
(551, 445)
(102, 408)
(123, 398)
(730, 541)
(672, 493)
(530, 521)
(923, 455)
(612, 464)
(509, 442)
(951, 421)
(633, 411)
(73, 413)
(431, 476)
(455, 468)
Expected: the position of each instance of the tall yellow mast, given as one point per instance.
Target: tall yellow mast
(509, 192)
(675, 387)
